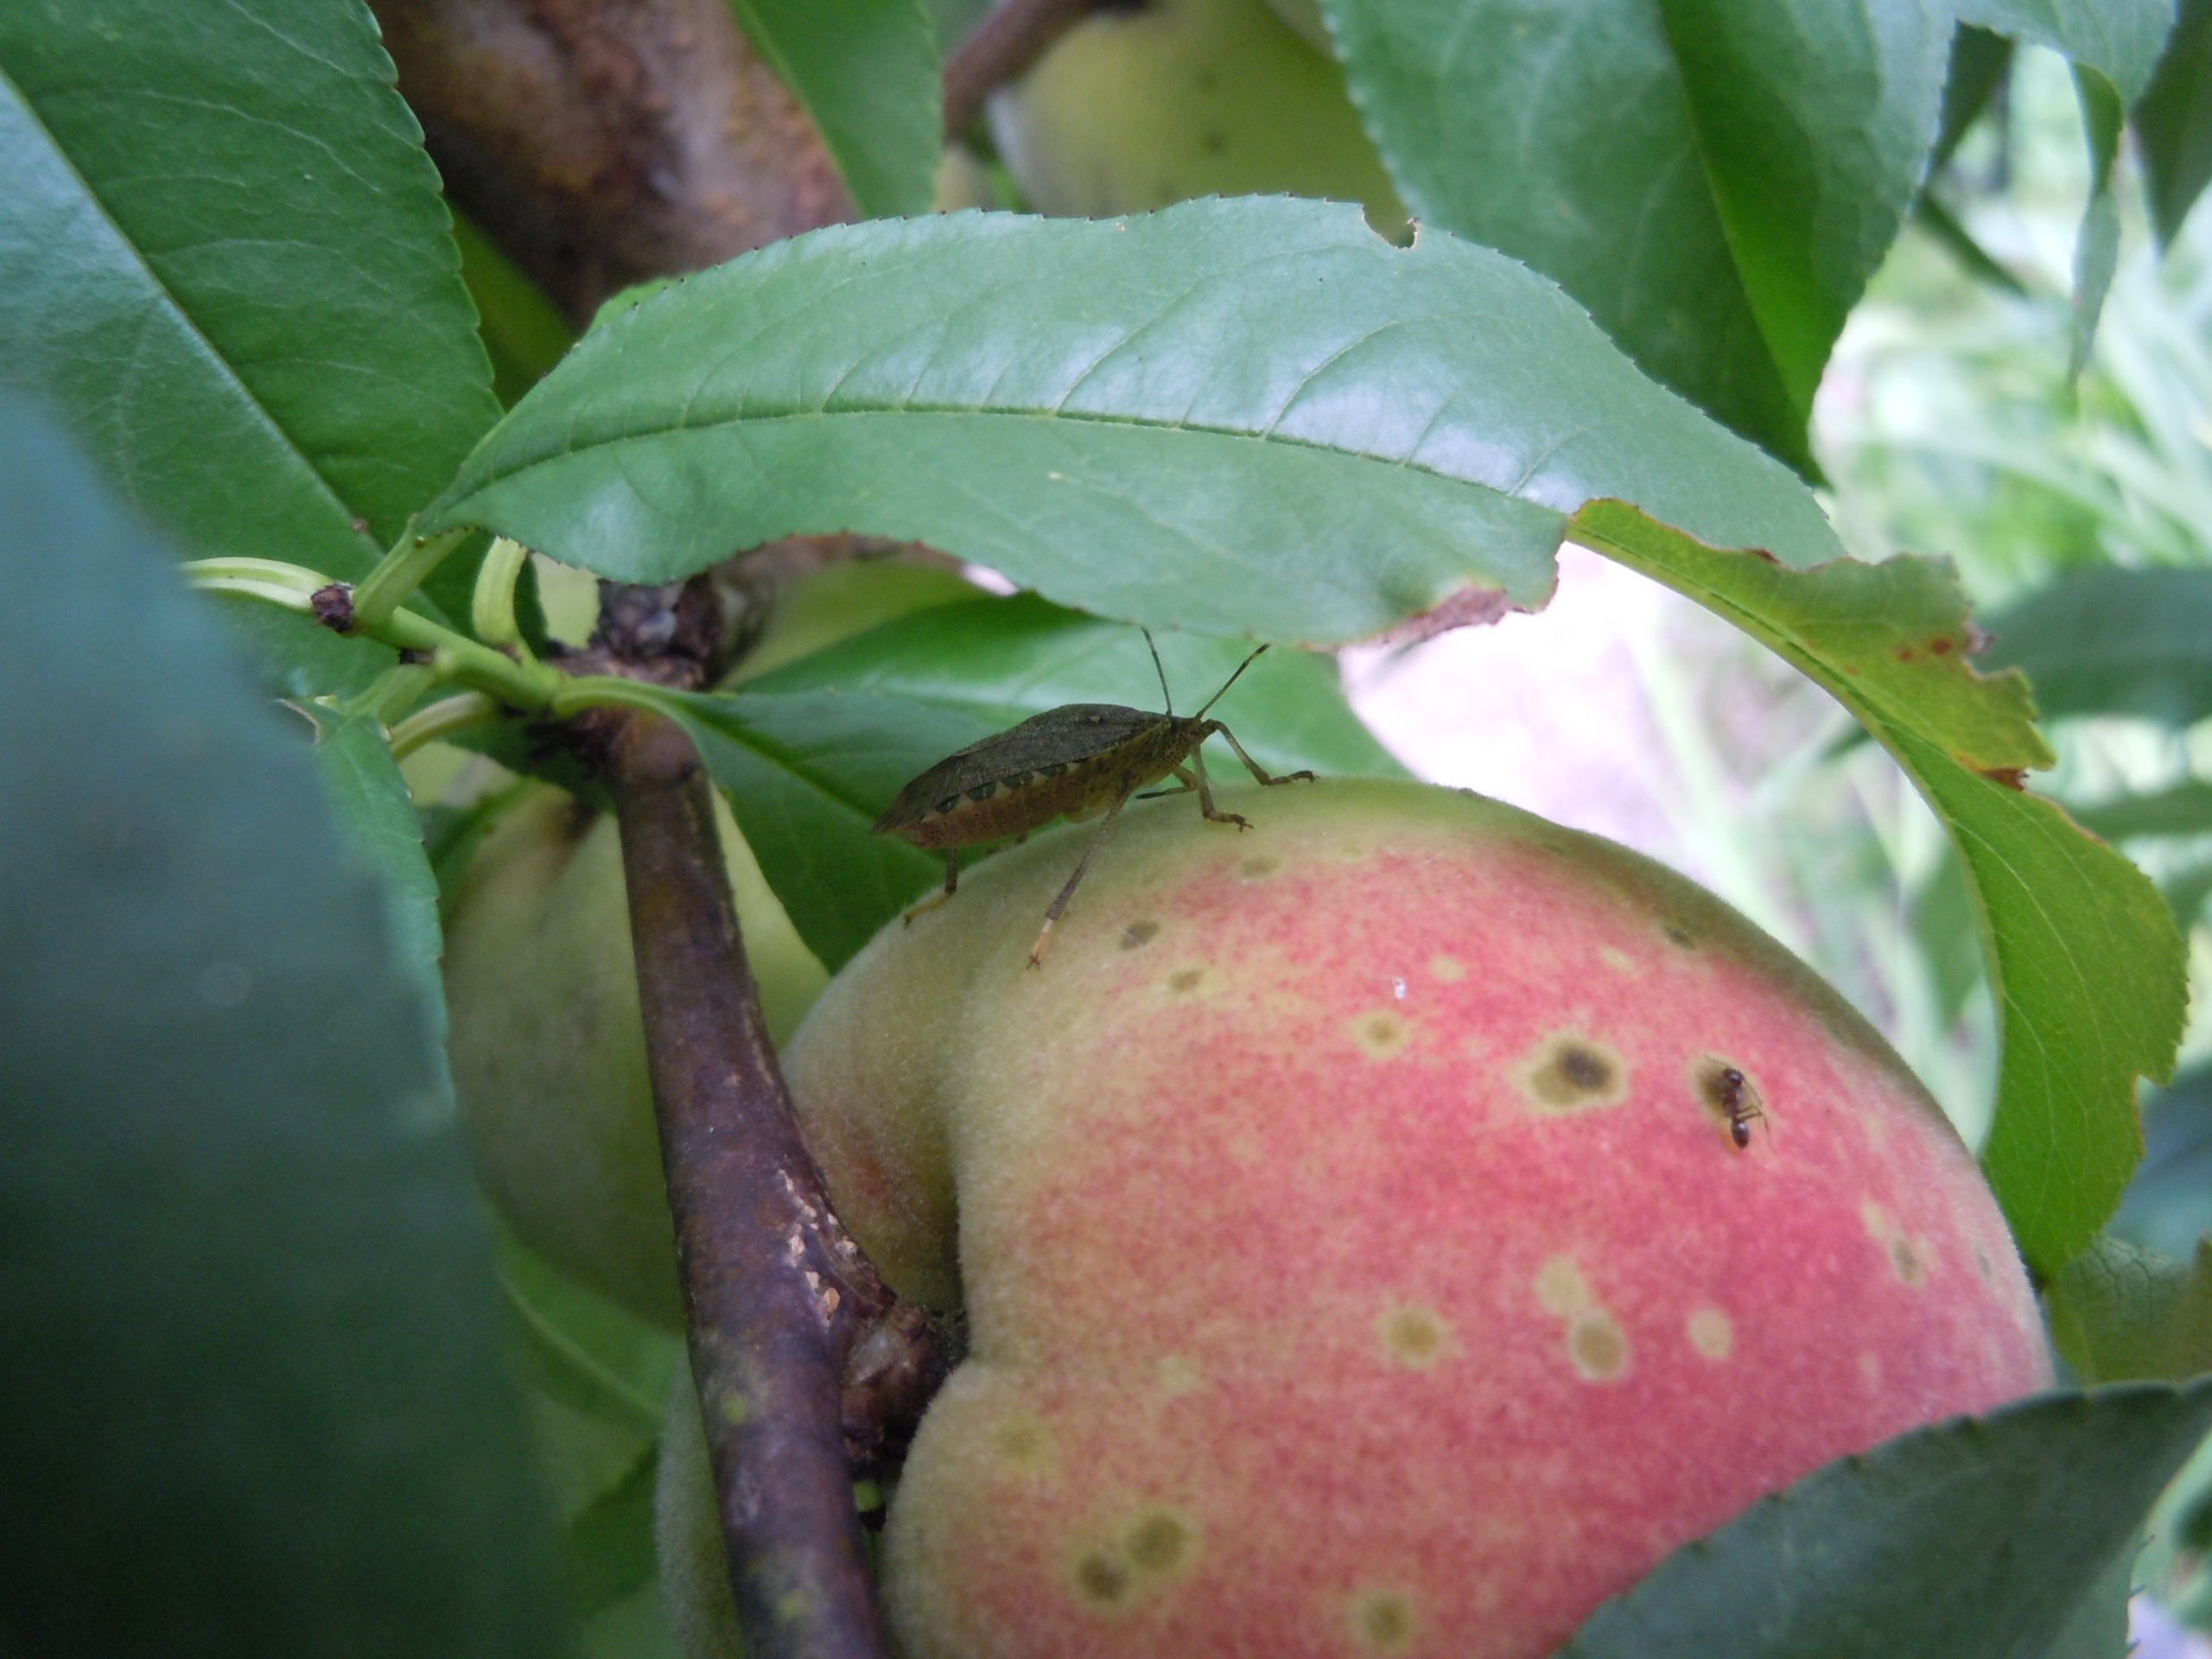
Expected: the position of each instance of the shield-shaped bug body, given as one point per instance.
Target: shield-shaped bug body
(1075, 762)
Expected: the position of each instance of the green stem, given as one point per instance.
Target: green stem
(399, 573)
(270, 581)
(586, 691)
(389, 696)
(527, 686)
(441, 719)
(493, 614)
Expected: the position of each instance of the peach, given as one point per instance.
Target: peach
(1357, 1254)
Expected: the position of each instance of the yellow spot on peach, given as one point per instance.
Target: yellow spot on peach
(1024, 1445)
(1159, 1541)
(1907, 1262)
(1619, 961)
(1870, 1370)
(1139, 933)
(1877, 1220)
(1383, 1620)
(1184, 980)
(1382, 1034)
(1259, 869)
(1347, 852)
(1598, 1345)
(1569, 1072)
(1448, 970)
(1712, 1333)
(1561, 1288)
(1102, 1580)
(1680, 935)
(733, 1408)
(1179, 1375)
(1415, 1337)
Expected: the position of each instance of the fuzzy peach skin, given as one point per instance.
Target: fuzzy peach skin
(1357, 1257)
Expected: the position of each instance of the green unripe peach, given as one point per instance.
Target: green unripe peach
(1357, 1255)
(1136, 109)
(548, 1048)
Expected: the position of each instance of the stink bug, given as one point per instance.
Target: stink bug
(1076, 762)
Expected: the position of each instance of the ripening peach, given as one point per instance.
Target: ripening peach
(1359, 1253)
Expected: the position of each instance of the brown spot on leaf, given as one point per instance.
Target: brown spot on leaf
(2011, 776)
(1464, 608)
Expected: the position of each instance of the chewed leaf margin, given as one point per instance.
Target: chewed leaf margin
(2084, 960)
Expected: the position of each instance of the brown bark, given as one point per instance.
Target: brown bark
(806, 1363)
(602, 142)
(1002, 46)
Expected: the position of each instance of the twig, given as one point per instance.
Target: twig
(779, 1297)
(604, 142)
(1001, 49)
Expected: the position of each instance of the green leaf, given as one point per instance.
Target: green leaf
(224, 260)
(868, 71)
(2168, 1204)
(1715, 181)
(1237, 417)
(259, 1396)
(1976, 1539)
(2098, 1627)
(2183, 810)
(377, 820)
(811, 753)
(2119, 40)
(2113, 641)
(2114, 47)
(2083, 958)
(523, 335)
(2122, 1313)
(2173, 122)
(1979, 61)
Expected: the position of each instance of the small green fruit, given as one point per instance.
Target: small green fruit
(1134, 110)
(548, 1048)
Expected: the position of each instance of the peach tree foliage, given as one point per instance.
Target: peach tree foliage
(226, 276)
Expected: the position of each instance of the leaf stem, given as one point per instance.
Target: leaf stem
(529, 686)
(379, 595)
(441, 719)
(492, 613)
(289, 586)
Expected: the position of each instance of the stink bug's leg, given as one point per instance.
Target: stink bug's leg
(1060, 903)
(1252, 765)
(951, 885)
(1206, 808)
(1183, 777)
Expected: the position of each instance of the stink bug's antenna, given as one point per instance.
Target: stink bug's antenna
(1230, 681)
(1167, 697)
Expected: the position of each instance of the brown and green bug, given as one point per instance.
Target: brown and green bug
(1075, 762)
